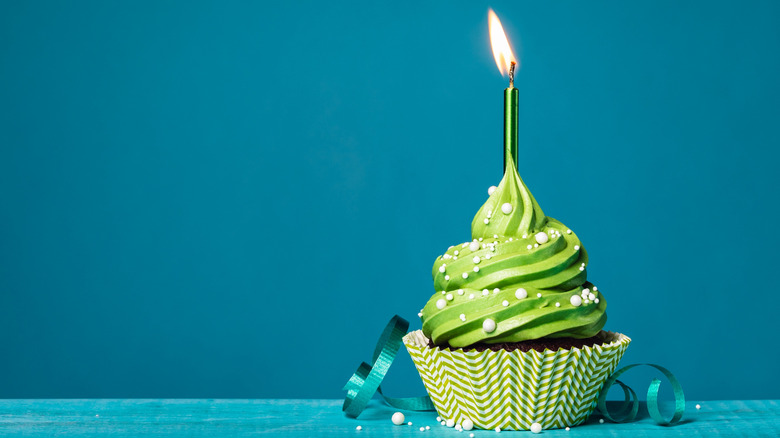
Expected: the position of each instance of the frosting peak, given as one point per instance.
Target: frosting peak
(511, 210)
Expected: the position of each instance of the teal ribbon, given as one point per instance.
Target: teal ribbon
(628, 410)
(366, 380)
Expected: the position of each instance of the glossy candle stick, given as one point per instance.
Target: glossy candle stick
(511, 104)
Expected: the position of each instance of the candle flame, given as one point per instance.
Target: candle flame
(502, 52)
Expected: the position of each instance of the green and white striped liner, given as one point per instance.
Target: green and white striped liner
(511, 389)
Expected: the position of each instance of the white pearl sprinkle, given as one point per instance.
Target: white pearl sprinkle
(359, 428)
(568, 428)
(443, 422)
(541, 238)
(446, 256)
(476, 259)
(505, 303)
(595, 288)
(486, 221)
(455, 258)
(506, 208)
(536, 428)
(491, 189)
(398, 418)
(463, 317)
(460, 291)
(596, 301)
(591, 297)
(465, 275)
(471, 296)
(488, 256)
(450, 422)
(471, 435)
(427, 427)
(489, 325)
(441, 303)
(536, 245)
(510, 239)
(476, 269)
(586, 291)
(485, 292)
(496, 290)
(447, 278)
(576, 247)
(525, 236)
(575, 300)
(529, 246)
(495, 236)
(420, 314)
(539, 295)
(698, 406)
(438, 418)
(449, 297)
(568, 231)
(601, 421)
(498, 429)
(557, 304)
(521, 293)
(468, 425)
(582, 268)
(474, 246)
(409, 423)
(442, 268)
(422, 429)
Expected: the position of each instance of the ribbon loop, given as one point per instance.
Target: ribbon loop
(652, 398)
(366, 380)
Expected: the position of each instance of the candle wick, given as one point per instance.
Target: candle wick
(512, 74)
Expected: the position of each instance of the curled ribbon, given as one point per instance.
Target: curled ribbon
(628, 410)
(366, 380)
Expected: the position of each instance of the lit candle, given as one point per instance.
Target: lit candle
(507, 63)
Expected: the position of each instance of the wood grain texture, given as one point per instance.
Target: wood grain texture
(307, 418)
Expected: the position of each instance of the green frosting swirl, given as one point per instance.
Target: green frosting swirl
(523, 271)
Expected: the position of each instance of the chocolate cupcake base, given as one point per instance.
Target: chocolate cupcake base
(553, 344)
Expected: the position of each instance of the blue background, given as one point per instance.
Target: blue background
(230, 200)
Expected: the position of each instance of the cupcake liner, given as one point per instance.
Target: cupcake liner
(512, 389)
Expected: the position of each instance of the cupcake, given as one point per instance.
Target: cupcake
(512, 338)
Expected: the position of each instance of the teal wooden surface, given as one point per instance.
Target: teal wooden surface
(307, 418)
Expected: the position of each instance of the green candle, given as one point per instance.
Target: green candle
(507, 63)
(511, 98)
